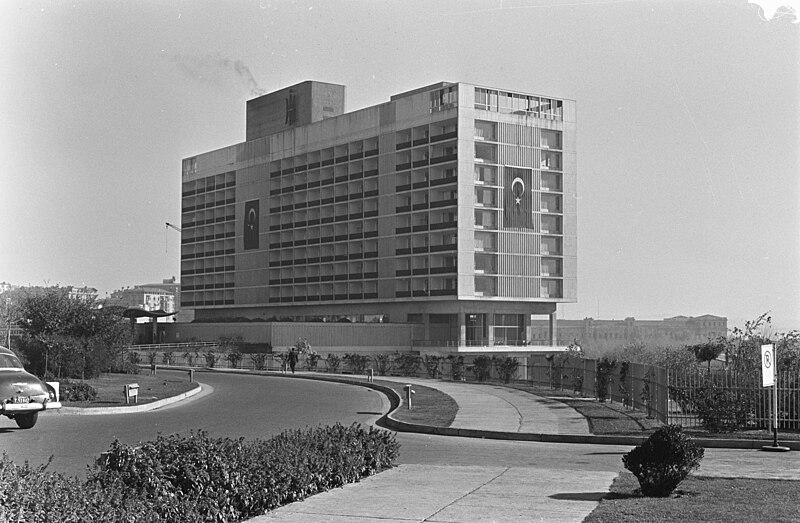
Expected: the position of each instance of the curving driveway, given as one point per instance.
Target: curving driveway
(240, 406)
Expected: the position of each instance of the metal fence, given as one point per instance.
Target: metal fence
(636, 386)
(740, 390)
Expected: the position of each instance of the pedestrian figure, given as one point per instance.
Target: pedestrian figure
(292, 359)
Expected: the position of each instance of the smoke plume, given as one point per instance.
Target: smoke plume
(219, 70)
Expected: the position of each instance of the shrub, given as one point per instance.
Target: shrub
(34, 494)
(556, 369)
(284, 359)
(356, 362)
(134, 357)
(663, 461)
(211, 359)
(151, 357)
(166, 358)
(720, 409)
(456, 367)
(408, 364)
(506, 368)
(383, 362)
(333, 362)
(312, 359)
(196, 478)
(432, 365)
(603, 379)
(622, 384)
(481, 367)
(230, 480)
(76, 391)
(259, 360)
(234, 358)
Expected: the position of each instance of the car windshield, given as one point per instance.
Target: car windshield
(8, 361)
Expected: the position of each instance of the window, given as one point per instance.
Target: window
(485, 286)
(485, 263)
(485, 130)
(486, 197)
(443, 99)
(485, 241)
(485, 219)
(485, 152)
(550, 139)
(551, 160)
(551, 288)
(551, 181)
(486, 174)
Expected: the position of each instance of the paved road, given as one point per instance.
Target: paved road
(240, 406)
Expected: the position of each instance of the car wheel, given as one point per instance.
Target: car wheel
(26, 421)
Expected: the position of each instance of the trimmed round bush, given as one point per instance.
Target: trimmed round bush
(76, 391)
(663, 461)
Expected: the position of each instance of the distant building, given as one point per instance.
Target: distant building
(82, 293)
(600, 334)
(451, 207)
(150, 297)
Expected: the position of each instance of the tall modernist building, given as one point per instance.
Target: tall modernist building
(451, 206)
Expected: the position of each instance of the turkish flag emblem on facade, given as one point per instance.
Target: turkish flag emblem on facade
(251, 219)
(517, 198)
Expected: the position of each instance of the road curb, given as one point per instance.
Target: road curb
(144, 407)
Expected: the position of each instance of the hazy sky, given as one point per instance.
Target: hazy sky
(688, 119)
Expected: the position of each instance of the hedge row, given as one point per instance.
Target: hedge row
(198, 478)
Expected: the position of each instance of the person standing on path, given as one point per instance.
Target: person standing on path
(292, 359)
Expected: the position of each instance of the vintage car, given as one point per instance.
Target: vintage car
(23, 395)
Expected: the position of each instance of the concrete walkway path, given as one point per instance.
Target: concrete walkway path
(503, 409)
(454, 494)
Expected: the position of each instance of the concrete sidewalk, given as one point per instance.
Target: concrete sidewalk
(454, 494)
(503, 409)
(435, 493)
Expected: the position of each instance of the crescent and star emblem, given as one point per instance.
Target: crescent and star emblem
(517, 192)
(251, 219)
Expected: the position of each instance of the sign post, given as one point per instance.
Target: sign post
(769, 379)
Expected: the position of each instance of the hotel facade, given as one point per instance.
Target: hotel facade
(451, 207)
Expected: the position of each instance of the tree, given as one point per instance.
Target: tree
(9, 314)
(70, 337)
(708, 351)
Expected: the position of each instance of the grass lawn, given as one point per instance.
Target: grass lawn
(429, 406)
(110, 388)
(700, 498)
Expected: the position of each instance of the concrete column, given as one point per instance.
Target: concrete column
(553, 324)
(426, 330)
(528, 328)
(462, 329)
(489, 325)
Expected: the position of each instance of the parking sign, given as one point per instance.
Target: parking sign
(767, 365)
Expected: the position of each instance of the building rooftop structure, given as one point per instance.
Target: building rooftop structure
(451, 206)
